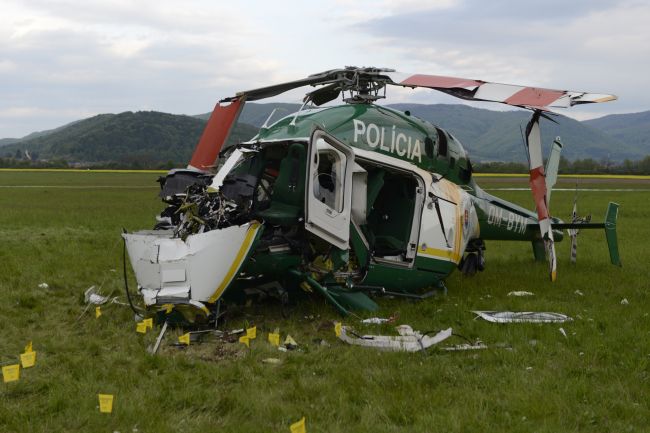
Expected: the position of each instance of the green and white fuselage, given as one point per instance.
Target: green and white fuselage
(356, 198)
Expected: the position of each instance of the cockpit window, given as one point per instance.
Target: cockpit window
(442, 142)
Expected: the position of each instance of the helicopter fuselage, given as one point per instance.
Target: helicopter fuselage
(341, 200)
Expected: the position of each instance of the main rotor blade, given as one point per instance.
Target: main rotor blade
(215, 134)
(519, 96)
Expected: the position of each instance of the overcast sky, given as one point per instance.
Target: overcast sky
(65, 60)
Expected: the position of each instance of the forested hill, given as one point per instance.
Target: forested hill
(144, 138)
(149, 138)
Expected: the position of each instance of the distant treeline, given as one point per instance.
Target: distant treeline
(579, 166)
(111, 165)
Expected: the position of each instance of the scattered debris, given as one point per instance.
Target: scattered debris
(579, 293)
(624, 301)
(563, 332)
(479, 345)
(43, 286)
(274, 361)
(380, 320)
(92, 297)
(159, 339)
(408, 340)
(522, 317)
(289, 343)
(521, 293)
(375, 321)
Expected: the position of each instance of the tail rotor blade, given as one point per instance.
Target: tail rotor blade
(552, 167)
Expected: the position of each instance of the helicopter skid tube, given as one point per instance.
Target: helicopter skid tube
(199, 269)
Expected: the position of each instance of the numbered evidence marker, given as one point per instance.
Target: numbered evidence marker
(11, 373)
(337, 329)
(148, 323)
(141, 327)
(105, 403)
(184, 339)
(298, 427)
(28, 347)
(98, 312)
(245, 340)
(251, 333)
(28, 359)
(274, 337)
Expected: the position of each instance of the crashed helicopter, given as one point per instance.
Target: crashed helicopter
(343, 200)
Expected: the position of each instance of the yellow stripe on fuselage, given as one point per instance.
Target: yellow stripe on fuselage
(436, 253)
(236, 264)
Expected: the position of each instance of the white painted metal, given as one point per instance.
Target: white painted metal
(172, 269)
(552, 167)
(359, 194)
(331, 223)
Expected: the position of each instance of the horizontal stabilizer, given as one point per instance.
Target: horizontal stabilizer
(610, 231)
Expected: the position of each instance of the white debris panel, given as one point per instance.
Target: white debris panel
(522, 317)
(408, 340)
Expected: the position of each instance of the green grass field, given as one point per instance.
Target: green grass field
(63, 228)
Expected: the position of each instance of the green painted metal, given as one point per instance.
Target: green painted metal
(380, 129)
(320, 289)
(424, 273)
(610, 233)
(539, 251)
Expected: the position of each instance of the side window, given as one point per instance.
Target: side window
(328, 182)
(442, 142)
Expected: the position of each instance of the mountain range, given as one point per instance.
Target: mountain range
(149, 138)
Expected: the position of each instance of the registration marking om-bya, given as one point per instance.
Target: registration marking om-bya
(513, 222)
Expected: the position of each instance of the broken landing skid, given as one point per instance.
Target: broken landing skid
(354, 298)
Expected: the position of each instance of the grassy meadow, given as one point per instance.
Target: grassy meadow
(63, 229)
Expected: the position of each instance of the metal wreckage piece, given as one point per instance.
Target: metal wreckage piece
(408, 340)
(522, 317)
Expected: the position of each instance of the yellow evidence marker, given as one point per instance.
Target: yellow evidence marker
(298, 427)
(274, 338)
(337, 329)
(184, 339)
(245, 340)
(289, 341)
(105, 403)
(141, 327)
(28, 347)
(148, 323)
(251, 333)
(28, 359)
(98, 312)
(11, 373)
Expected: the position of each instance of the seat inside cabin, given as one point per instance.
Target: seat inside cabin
(288, 195)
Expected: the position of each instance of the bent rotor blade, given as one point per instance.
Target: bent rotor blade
(215, 134)
(552, 167)
(520, 96)
(538, 188)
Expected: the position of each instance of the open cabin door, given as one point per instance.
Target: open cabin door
(328, 200)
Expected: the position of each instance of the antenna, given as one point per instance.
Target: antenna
(266, 122)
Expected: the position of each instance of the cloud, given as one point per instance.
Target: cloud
(110, 56)
(598, 46)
